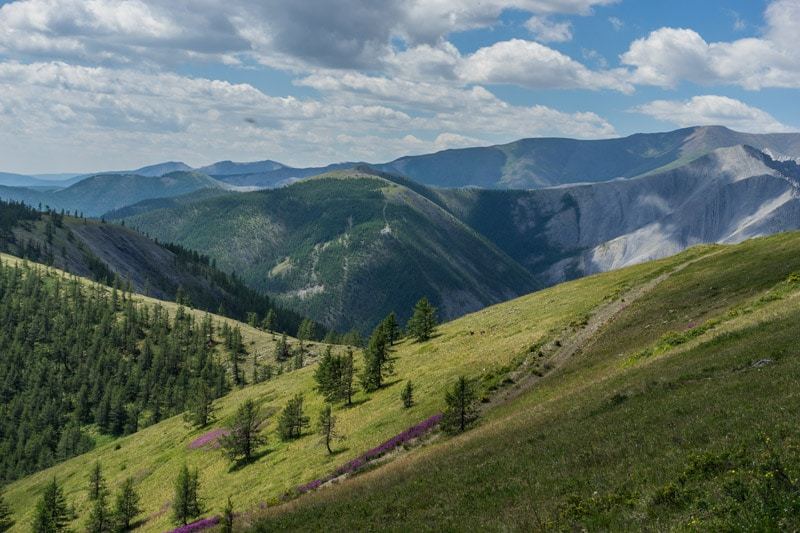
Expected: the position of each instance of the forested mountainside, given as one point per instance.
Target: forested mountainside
(111, 254)
(345, 248)
(83, 363)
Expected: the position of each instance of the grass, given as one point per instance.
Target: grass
(480, 344)
(695, 437)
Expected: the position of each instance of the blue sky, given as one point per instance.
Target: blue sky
(107, 84)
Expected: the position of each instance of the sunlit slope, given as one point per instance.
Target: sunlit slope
(679, 413)
(485, 344)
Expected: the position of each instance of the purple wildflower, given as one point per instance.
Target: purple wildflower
(199, 525)
(211, 438)
(411, 433)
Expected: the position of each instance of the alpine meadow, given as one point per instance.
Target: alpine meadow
(506, 265)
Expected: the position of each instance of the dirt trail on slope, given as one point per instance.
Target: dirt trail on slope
(558, 352)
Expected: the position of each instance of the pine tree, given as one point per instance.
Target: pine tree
(97, 485)
(292, 421)
(201, 405)
(282, 352)
(269, 321)
(126, 507)
(227, 517)
(327, 427)
(6, 518)
(377, 362)
(52, 515)
(325, 375)
(407, 395)
(100, 518)
(306, 331)
(186, 504)
(423, 321)
(244, 436)
(392, 328)
(461, 406)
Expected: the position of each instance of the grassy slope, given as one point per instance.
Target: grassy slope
(481, 344)
(689, 437)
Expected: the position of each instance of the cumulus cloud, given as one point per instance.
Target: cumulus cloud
(546, 30)
(530, 64)
(668, 56)
(707, 110)
(100, 117)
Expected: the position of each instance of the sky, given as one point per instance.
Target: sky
(90, 85)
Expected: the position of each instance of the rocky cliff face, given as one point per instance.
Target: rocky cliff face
(726, 196)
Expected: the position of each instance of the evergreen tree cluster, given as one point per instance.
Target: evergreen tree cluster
(72, 354)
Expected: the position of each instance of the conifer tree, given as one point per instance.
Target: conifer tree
(227, 517)
(269, 321)
(461, 406)
(97, 484)
(52, 515)
(6, 518)
(126, 507)
(186, 503)
(392, 328)
(100, 518)
(282, 352)
(292, 421)
(326, 426)
(347, 376)
(407, 395)
(423, 321)
(377, 361)
(245, 435)
(201, 405)
(306, 331)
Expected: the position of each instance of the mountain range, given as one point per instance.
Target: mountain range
(348, 243)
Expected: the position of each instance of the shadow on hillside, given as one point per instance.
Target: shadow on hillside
(241, 463)
(356, 403)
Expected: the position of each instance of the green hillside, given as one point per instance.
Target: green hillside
(345, 248)
(111, 253)
(614, 400)
(680, 413)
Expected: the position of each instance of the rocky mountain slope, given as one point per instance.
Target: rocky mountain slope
(729, 195)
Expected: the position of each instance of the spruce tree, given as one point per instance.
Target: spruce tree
(52, 515)
(407, 395)
(227, 517)
(461, 406)
(186, 504)
(97, 485)
(306, 331)
(126, 507)
(269, 321)
(423, 321)
(392, 328)
(347, 375)
(100, 518)
(201, 405)
(245, 435)
(282, 352)
(377, 361)
(6, 518)
(292, 421)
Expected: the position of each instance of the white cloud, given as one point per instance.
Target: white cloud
(668, 56)
(530, 64)
(715, 110)
(85, 118)
(616, 23)
(546, 31)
